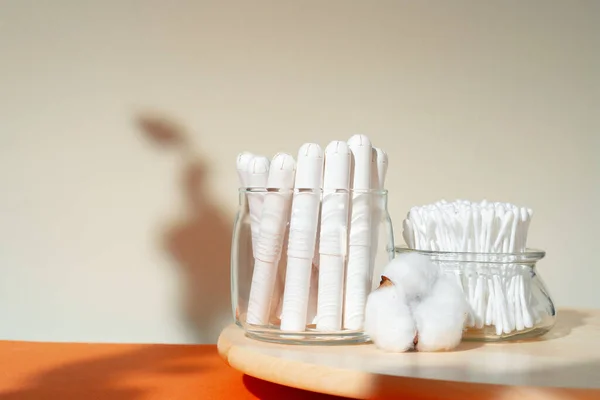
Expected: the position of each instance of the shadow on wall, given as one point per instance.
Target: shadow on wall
(201, 242)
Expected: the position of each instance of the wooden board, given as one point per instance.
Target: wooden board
(565, 363)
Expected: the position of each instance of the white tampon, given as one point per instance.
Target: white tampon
(303, 234)
(333, 236)
(242, 161)
(273, 221)
(311, 316)
(382, 167)
(379, 166)
(257, 174)
(358, 280)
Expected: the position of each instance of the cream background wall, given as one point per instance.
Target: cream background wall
(104, 229)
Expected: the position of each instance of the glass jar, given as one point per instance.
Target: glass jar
(507, 297)
(323, 311)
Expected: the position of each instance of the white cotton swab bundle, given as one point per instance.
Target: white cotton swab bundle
(498, 293)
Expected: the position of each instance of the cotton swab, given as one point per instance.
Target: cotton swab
(333, 236)
(358, 281)
(502, 298)
(274, 218)
(303, 233)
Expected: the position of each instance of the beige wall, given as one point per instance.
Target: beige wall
(104, 228)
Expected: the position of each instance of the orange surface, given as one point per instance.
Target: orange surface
(128, 371)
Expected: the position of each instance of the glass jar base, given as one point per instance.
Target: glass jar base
(311, 336)
(488, 334)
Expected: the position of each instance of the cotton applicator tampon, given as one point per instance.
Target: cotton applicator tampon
(242, 161)
(303, 235)
(273, 220)
(257, 174)
(379, 166)
(358, 281)
(333, 236)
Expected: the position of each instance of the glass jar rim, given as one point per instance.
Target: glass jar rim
(243, 190)
(528, 256)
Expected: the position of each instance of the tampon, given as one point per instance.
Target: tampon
(273, 221)
(311, 317)
(303, 235)
(243, 159)
(311, 314)
(358, 281)
(333, 236)
(257, 177)
(257, 174)
(379, 166)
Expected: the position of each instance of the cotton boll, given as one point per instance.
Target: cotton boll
(388, 320)
(440, 316)
(414, 272)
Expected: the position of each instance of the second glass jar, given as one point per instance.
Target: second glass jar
(506, 295)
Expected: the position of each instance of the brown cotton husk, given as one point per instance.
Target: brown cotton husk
(385, 281)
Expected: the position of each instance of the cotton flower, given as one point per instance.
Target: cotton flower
(413, 272)
(415, 306)
(388, 319)
(440, 316)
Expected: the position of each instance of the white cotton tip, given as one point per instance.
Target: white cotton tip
(440, 316)
(415, 273)
(388, 320)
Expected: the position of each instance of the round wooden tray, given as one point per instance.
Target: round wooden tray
(563, 363)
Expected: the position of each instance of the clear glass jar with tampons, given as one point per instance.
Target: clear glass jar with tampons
(279, 294)
(508, 298)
